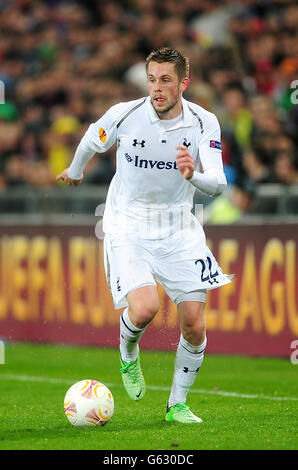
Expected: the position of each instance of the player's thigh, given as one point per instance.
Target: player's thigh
(128, 267)
(192, 321)
(143, 305)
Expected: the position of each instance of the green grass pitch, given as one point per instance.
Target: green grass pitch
(245, 403)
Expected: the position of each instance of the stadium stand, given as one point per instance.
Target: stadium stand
(64, 63)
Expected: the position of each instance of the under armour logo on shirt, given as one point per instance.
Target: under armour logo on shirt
(135, 143)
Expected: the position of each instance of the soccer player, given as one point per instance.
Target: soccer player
(166, 148)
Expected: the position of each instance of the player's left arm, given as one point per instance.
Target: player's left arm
(212, 180)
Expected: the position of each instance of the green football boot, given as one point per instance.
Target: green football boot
(133, 379)
(180, 413)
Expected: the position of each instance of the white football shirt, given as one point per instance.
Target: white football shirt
(148, 196)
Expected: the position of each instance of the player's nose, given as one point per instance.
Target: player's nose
(157, 86)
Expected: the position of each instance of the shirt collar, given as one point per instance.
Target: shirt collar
(187, 120)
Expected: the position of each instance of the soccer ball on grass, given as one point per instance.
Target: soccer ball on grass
(88, 403)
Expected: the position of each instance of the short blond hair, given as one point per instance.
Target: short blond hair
(167, 54)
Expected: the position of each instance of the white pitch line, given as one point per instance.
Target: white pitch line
(54, 380)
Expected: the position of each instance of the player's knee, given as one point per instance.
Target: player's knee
(194, 333)
(142, 314)
(193, 322)
(143, 305)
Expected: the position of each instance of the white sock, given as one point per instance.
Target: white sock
(188, 361)
(130, 336)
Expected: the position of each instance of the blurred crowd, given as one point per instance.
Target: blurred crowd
(64, 63)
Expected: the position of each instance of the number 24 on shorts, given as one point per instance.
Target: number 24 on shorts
(206, 274)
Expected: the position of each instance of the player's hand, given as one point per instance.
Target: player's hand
(185, 162)
(64, 177)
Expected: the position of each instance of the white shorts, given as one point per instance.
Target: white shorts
(184, 266)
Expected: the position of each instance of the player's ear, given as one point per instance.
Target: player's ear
(184, 84)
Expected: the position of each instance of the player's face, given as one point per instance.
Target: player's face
(165, 89)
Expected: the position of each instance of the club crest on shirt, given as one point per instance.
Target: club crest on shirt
(102, 135)
(186, 144)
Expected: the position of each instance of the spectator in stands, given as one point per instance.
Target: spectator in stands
(237, 116)
(258, 165)
(286, 167)
(231, 206)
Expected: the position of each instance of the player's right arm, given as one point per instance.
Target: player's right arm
(64, 177)
(100, 136)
